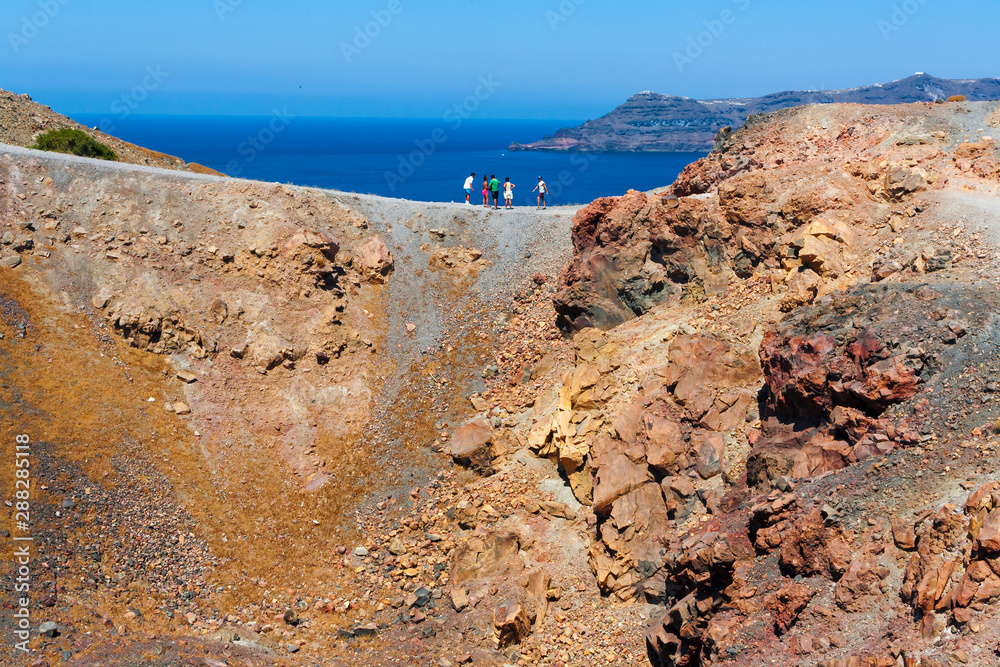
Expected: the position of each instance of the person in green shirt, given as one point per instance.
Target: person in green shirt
(495, 189)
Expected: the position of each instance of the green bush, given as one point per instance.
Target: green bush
(74, 142)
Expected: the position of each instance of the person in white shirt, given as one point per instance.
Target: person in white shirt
(468, 188)
(508, 194)
(542, 190)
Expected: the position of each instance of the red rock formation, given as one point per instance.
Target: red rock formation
(786, 604)
(810, 547)
(827, 391)
(632, 253)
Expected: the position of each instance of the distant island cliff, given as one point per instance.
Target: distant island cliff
(667, 123)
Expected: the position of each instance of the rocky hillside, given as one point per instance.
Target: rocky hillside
(22, 120)
(749, 419)
(802, 335)
(654, 122)
(223, 390)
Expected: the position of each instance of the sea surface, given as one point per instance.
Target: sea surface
(417, 159)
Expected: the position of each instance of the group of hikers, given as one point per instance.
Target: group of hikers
(491, 186)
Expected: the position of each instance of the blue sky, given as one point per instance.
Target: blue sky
(542, 58)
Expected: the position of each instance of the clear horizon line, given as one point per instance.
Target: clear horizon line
(266, 115)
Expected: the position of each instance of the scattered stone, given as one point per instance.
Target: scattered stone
(459, 599)
(512, 624)
(558, 510)
(49, 629)
(903, 534)
(366, 630)
(422, 597)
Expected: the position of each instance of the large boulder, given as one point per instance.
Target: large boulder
(269, 350)
(988, 539)
(630, 254)
(310, 253)
(699, 568)
(810, 547)
(472, 446)
(628, 558)
(375, 260)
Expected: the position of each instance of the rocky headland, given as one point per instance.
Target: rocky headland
(749, 419)
(654, 122)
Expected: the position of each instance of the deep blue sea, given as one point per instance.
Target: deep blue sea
(418, 159)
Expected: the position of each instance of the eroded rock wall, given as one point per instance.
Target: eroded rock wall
(867, 301)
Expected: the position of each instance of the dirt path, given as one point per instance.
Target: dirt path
(973, 209)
